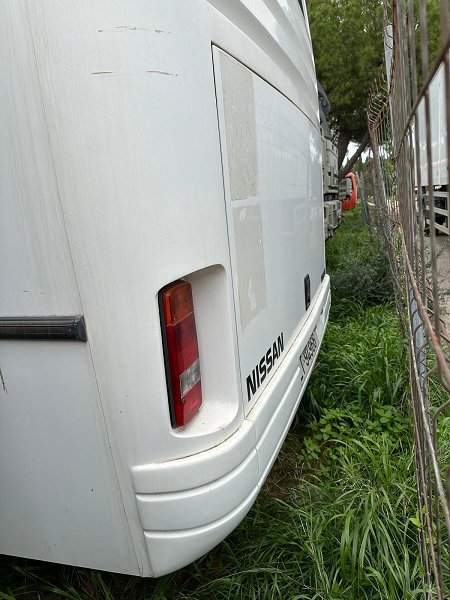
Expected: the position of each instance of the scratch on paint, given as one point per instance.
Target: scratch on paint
(102, 73)
(123, 28)
(163, 73)
(3, 381)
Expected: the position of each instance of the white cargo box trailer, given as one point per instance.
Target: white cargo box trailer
(330, 169)
(163, 289)
(438, 170)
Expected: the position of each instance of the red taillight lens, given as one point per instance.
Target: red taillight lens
(180, 352)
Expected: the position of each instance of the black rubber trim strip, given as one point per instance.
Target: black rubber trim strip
(43, 328)
(166, 352)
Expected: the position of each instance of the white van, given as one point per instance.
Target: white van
(163, 289)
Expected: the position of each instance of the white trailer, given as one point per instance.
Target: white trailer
(332, 207)
(438, 152)
(163, 289)
(330, 169)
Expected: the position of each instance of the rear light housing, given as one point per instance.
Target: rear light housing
(181, 356)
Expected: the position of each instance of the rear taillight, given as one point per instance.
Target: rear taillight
(180, 352)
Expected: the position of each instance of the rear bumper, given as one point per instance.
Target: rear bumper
(189, 505)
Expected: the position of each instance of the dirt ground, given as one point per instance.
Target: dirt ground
(443, 270)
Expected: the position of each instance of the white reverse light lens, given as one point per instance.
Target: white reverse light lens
(189, 378)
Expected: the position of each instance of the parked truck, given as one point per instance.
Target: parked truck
(348, 191)
(332, 206)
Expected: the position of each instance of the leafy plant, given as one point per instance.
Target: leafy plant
(357, 265)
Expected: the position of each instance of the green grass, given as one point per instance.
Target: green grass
(358, 267)
(337, 518)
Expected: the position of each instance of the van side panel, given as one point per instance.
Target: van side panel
(37, 276)
(59, 495)
(60, 498)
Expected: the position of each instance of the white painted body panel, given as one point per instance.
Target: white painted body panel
(438, 133)
(274, 210)
(112, 186)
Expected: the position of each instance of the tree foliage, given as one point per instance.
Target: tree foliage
(433, 30)
(348, 41)
(347, 38)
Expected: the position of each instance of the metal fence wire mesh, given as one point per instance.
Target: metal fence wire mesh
(409, 121)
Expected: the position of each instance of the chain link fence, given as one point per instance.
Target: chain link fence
(409, 121)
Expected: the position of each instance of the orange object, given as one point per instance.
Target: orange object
(349, 201)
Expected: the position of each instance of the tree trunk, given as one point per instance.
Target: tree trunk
(343, 171)
(342, 145)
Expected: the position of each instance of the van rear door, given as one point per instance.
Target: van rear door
(271, 153)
